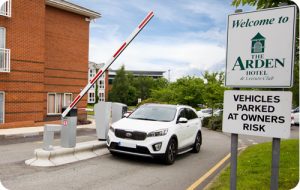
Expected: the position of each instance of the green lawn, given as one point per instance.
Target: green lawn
(254, 168)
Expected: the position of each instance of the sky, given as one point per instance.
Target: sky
(184, 38)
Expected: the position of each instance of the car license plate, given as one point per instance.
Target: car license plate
(128, 145)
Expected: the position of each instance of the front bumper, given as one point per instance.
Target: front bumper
(139, 148)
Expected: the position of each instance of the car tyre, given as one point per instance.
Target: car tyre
(197, 144)
(171, 152)
(114, 153)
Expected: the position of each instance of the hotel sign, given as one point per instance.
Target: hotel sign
(260, 48)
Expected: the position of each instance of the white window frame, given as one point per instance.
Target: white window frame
(92, 73)
(2, 92)
(9, 10)
(55, 105)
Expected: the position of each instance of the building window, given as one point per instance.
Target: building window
(5, 8)
(2, 107)
(101, 97)
(91, 97)
(101, 84)
(58, 100)
(92, 73)
(4, 53)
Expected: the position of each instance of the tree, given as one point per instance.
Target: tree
(120, 88)
(186, 90)
(260, 4)
(214, 89)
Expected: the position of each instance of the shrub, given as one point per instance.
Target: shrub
(205, 122)
(215, 123)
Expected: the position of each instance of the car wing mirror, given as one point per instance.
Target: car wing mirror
(182, 120)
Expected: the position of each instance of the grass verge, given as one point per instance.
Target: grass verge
(254, 168)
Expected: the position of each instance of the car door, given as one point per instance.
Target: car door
(182, 129)
(193, 126)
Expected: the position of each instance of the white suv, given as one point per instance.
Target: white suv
(157, 131)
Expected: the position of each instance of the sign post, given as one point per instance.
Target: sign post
(260, 54)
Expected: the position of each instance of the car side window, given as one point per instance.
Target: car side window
(191, 114)
(181, 114)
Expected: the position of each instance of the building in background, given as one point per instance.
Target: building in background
(44, 48)
(99, 88)
(104, 83)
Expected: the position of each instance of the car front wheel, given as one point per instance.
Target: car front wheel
(171, 151)
(197, 144)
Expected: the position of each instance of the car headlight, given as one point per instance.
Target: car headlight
(160, 132)
(111, 129)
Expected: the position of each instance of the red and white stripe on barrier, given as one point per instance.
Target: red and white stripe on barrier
(109, 62)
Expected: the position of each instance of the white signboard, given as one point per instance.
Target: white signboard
(259, 113)
(260, 48)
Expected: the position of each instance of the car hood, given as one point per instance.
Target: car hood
(140, 125)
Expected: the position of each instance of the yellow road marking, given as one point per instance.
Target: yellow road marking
(212, 170)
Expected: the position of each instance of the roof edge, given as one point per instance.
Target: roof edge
(64, 5)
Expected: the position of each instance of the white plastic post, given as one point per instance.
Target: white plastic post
(109, 62)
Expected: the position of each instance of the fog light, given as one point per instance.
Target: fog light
(157, 146)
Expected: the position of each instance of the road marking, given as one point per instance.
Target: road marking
(205, 176)
(211, 171)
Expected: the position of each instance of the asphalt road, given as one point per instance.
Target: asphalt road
(109, 172)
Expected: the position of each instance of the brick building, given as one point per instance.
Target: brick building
(43, 59)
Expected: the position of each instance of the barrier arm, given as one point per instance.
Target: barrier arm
(109, 62)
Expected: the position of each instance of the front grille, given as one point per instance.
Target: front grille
(135, 135)
(138, 149)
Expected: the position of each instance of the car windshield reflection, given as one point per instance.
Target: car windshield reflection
(154, 113)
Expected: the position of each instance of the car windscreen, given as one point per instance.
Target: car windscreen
(154, 113)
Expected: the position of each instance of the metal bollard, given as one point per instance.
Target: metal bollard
(68, 131)
(48, 135)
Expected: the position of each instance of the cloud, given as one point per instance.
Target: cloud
(185, 36)
(179, 56)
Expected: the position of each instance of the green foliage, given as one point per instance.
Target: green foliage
(214, 89)
(254, 168)
(215, 123)
(192, 91)
(205, 122)
(260, 4)
(120, 88)
(150, 100)
(127, 88)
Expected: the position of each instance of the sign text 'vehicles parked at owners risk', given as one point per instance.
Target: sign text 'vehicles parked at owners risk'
(261, 113)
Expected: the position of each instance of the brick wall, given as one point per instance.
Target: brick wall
(49, 53)
(24, 85)
(66, 67)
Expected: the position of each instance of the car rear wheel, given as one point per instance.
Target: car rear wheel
(197, 144)
(170, 154)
